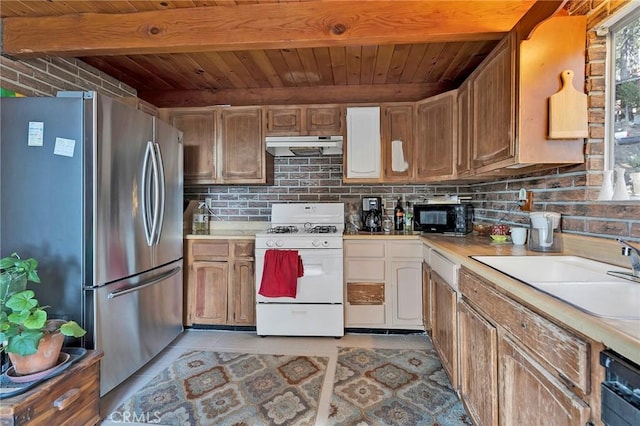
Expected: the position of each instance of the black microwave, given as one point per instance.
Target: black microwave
(456, 219)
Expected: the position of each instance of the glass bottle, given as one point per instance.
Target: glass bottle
(408, 218)
(398, 216)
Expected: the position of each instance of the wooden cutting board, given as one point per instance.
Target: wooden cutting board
(568, 111)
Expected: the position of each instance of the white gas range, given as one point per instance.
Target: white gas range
(314, 231)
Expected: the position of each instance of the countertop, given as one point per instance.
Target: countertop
(622, 336)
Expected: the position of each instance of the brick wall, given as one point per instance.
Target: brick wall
(45, 77)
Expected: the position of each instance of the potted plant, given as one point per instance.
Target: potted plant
(32, 341)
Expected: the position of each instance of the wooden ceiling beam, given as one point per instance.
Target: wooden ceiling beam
(292, 95)
(260, 26)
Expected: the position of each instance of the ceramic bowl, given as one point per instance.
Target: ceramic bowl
(499, 238)
(482, 228)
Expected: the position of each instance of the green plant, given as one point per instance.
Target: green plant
(23, 321)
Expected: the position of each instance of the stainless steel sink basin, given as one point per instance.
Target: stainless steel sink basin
(580, 282)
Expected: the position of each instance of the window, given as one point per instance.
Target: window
(623, 86)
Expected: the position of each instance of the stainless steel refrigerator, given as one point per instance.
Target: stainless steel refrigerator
(92, 188)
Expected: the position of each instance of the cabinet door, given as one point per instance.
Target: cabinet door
(242, 145)
(427, 297)
(242, 300)
(532, 396)
(494, 107)
(324, 120)
(445, 326)
(465, 131)
(284, 121)
(478, 366)
(210, 282)
(397, 125)
(198, 129)
(363, 160)
(436, 130)
(406, 284)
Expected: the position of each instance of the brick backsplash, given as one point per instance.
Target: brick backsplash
(305, 179)
(319, 179)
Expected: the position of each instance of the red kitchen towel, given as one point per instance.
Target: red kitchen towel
(282, 268)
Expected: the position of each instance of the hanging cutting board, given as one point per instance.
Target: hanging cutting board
(568, 111)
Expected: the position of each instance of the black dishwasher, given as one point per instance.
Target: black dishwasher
(620, 390)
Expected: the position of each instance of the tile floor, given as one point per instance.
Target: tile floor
(236, 341)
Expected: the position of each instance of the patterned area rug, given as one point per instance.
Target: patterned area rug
(222, 388)
(393, 387)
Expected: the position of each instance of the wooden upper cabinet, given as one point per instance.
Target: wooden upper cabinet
(436, 130)
(198, 127)
(316, 120)
(242, 146)
(465, 129)
(397, 125)
(363, 158)
(493, 86)
(324, 120)
(284, 121)
(510, 93)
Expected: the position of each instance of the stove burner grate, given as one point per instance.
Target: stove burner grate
(322, 229)
(282, 230)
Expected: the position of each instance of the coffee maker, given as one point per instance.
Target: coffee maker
(372, 214)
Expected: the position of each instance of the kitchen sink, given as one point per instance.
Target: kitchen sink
(580, 282)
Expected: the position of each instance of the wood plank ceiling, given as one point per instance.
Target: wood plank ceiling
(197, 53)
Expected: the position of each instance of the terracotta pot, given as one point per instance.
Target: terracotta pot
(46, 357)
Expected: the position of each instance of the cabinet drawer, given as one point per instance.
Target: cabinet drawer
(406, 249)
(364, 270)
(243, 248)
(364, 249)
(557, 348)
(210, 250)
(365, 293)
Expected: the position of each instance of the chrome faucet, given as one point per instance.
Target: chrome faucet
(634, 253)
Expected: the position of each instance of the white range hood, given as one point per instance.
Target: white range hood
(286, 146)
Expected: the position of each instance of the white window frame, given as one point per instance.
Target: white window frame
(608, 27)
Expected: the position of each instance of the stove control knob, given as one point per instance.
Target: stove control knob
(269, 243)
(279, 243)
(325, 243)
(315, 243)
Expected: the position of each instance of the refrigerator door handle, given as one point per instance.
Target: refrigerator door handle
(162, 191)
(150, 193)
(145, 195)
(143, 284)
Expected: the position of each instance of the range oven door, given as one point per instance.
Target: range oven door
(322, 280)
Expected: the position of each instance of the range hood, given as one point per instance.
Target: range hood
(286, 146)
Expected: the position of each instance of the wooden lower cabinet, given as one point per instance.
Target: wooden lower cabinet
(219, 282)
(531, 395)
(445, 326)
(71, 398)
(478, 361)
(381, 290)
(518, 367)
